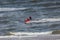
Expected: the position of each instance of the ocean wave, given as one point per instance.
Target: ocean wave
(50, 2)
(56, 6)
(14, 2)
(12, 9)
(30, 33)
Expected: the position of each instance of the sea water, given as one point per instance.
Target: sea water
(14, 12)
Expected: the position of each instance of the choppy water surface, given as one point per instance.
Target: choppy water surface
(14, 12)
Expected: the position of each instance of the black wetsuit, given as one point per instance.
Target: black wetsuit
(30, 18)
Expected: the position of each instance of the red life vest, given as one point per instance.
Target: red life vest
(27, 20)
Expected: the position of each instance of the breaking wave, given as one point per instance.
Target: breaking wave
(30, 33)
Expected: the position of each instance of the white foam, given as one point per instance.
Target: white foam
(25, 34)
(11, 9)
(45, 20)
(29, 33)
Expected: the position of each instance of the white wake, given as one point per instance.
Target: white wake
(45, 20)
